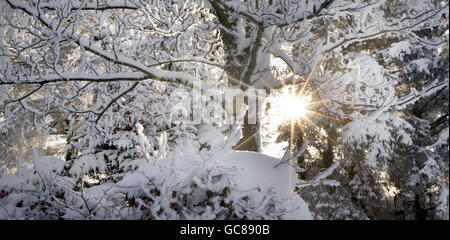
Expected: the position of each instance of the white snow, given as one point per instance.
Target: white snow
(442, 138)
(247, 174)
(86, 163)
(399, 48)
(211, 136)
(258, 171)
(47, 165)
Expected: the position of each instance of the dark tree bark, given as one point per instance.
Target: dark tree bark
(240, 67)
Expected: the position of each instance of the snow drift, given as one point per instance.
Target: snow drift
(209, 185)
(223, 181)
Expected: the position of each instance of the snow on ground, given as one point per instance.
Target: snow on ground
(247, 174)
(257, 170)
(255, 189)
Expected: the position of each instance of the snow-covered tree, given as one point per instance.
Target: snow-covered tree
(119, 82)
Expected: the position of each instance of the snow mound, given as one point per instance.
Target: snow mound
(258, 171)
(250, 178)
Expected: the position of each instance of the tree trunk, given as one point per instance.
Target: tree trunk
(240, 67)
(251, 140)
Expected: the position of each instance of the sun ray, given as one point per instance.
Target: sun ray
(322, 84)
(237, 146)
(322, 115)
(321, 101)
(309, 121)
(247, 139)
(312, 123)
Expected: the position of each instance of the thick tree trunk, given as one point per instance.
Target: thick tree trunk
(240, 67)
(251, 140)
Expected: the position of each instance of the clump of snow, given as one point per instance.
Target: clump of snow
(423, 64)
(47, 165)
(210, 136)
(96, 201)
(376, 132)
(44, 168)
(86, 163)
(400, 48)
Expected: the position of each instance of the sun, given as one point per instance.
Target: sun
(292, 106)
(285, 106)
